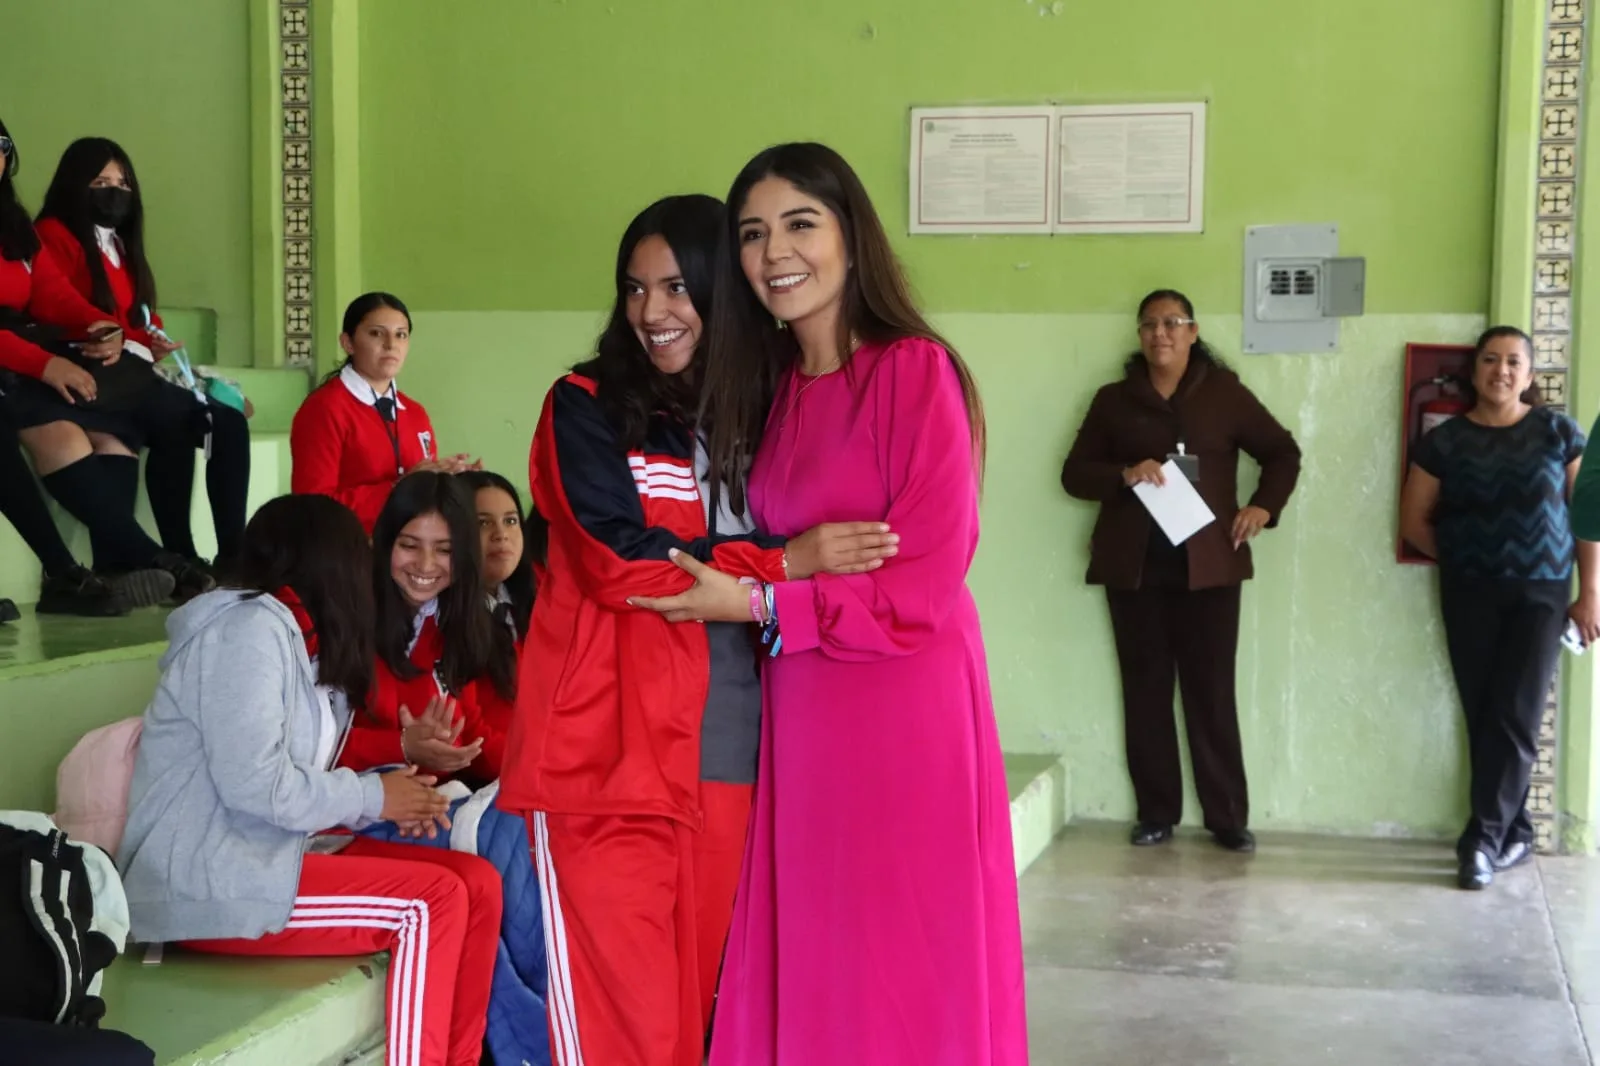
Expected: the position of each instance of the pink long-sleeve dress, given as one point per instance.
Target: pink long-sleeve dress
(876, 921)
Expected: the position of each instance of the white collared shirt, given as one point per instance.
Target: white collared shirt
(107, 239)
(362, 389)
(425, 612)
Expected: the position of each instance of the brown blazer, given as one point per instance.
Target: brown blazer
(1216, 417)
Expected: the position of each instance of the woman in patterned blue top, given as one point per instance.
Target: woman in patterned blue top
(1487, 496)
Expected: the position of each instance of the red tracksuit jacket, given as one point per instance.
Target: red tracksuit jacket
(609, 698)
(374, 738)
(341, 447)
(74, 265)
(39, 290)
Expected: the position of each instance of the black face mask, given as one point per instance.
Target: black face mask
(109, 205)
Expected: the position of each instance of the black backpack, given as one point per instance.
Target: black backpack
(54, 950)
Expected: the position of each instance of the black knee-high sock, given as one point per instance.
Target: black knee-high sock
(228, 477)
(169, 479)
(24, 507)
(95, 490)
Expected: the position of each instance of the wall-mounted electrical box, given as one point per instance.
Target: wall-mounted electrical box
(1297, 288)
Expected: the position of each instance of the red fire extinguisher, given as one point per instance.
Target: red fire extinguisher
(1449, 399)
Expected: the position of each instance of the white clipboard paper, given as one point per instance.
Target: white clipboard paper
(1176, 506)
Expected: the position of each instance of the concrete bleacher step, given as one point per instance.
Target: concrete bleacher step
(269, 477)
(196, 1010)
(60, 677)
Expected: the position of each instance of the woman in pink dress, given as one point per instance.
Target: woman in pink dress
(876, 920)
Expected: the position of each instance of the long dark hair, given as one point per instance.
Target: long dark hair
(1199, 350)
(316, 546)
(748, 353)
(18, 241)
(630, 389)
(535, 536)
(67, 201)
(1469, 388)
(357, 310)
(467, 630)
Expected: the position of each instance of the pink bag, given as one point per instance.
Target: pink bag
(92, 784)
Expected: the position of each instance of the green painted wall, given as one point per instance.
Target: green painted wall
(504, 146)
(505, 143)
(169, 81)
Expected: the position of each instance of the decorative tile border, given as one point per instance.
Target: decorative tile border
(294, 40)
(1555, 249)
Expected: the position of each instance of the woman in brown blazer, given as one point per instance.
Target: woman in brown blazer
(1175, 609)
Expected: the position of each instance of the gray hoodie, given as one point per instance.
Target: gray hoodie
(225, 791)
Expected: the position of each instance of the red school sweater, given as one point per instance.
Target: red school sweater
(374, 738)
(74, 264)
(39, 290)
(341, 447)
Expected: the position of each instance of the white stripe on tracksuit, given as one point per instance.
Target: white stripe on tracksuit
(563, 1008)
(409, 960)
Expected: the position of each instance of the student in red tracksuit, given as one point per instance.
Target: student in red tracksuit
(357, 434)
(436, 644)
(633, 745)
(234, 784)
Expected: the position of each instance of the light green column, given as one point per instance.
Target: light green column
(1521, 59)
(1580, 768)
(336, 157)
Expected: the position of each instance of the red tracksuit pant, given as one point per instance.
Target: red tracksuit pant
(438, 915)
(636, 917)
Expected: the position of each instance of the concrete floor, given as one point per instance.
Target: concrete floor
(1315, 950)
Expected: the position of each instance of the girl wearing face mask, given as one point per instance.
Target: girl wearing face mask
(864, 932)
(46, 401)
(358, 434)
(1487, 497)
(436, 644)
(93, 222)
(633, 745)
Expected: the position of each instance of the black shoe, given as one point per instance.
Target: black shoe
(8, 611)
(1515, 854)
(141, 588)
(191, 577)
(1240, 840)
(80, 592)
(1146, 834)
(1476, 873)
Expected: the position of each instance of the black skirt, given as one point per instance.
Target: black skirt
(28, 402)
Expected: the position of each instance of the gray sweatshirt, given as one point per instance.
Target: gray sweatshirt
(225, 788)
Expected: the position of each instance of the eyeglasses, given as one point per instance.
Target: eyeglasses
(1151, 326)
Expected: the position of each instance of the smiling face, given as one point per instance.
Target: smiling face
(792, 250)
(658, 306)
(1502, 371)
(420, 561)
(1166, 333)
(500, 529)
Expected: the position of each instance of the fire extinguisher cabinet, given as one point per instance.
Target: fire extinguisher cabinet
(1434, 391)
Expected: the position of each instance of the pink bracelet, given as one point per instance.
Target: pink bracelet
(758, 606)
